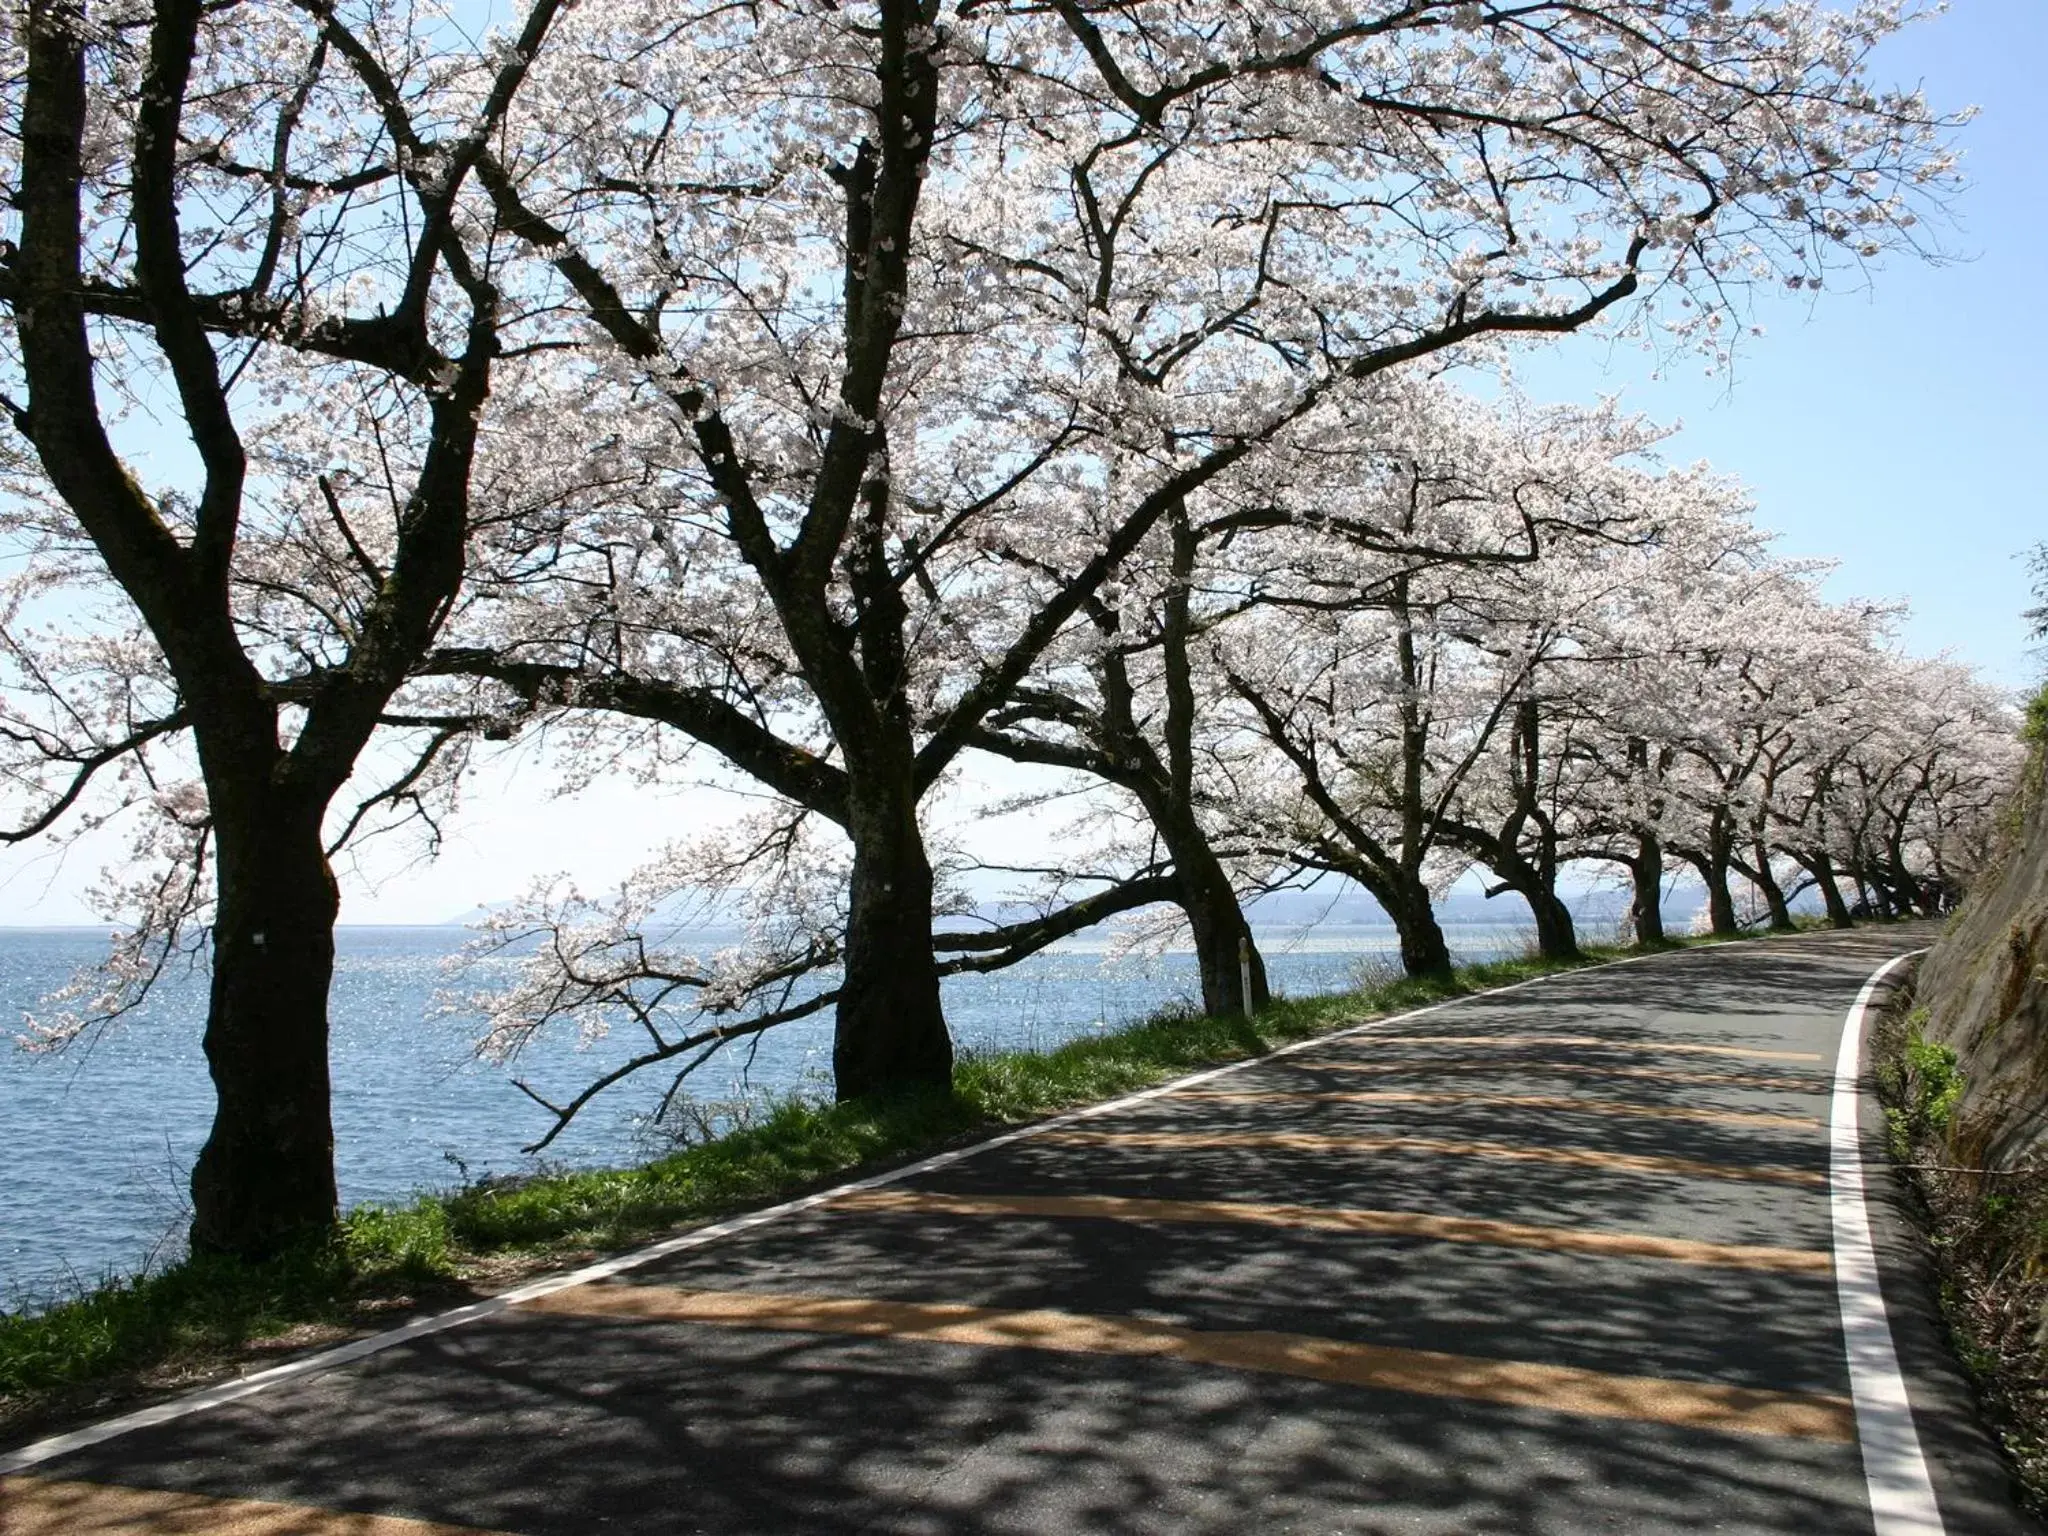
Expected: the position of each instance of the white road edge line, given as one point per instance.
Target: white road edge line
(37, 1452)
(1901, 1493)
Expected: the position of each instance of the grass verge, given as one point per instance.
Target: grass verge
(207, 1318)
(1987, 1230)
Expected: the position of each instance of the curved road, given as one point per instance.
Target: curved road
(1555, 1259)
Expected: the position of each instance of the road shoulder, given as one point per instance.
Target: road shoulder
(1974, 1484)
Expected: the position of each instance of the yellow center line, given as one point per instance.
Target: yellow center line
(1449, 1229)
(1563, 1389)
(1589, 1040)
(35, 1506)
(1575, 1069)
(1575, 1106)
(1311, 1141)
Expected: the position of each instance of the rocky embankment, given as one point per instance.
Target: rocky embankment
(1964, 1075)
(1984, 987)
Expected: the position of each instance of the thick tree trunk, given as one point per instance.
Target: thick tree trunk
(1711, 864)
(1222, 936)
(1406, 901)
(1720, 900)
(1406, 898)
(264, 1180)
(1646, 875)
(1822, 868)
(1714, 860)
(1556, 937)
(1223, 946)
(1774, 894)
(890, 1034)
(1223, 939)
(1423, 950)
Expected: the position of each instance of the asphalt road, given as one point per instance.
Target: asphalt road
(1555, 1259)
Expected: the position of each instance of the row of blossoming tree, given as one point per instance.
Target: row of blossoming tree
(845, 393)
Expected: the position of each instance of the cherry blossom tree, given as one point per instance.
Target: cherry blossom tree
(946, 315)
(1131, 709)
(800, 384)
(1763, 673)
(1776, 743)
(1919, 797)
(225, 227)
(1407, 692)
(1634, 685)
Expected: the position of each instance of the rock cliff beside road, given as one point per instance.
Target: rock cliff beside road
(1985, 988)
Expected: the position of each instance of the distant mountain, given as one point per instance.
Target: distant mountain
(1349, 905)
(1342, 903)
(475, 914)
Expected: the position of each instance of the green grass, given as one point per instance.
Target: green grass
(200, 1313)
(2034, 728)
(1920, 1082)
(1987, 1231)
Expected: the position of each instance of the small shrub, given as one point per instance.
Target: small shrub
(2034, 729)
(1934, 1085)
(409, 1241)
(1987, 1228)
(1371, 971)
(1919, 1081)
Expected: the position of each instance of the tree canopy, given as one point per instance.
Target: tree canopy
(853, 392)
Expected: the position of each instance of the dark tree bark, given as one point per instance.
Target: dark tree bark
(1349, 847)
(1223, 939)
(1720, 902)
(1107, 744)
(265, 1176)
(1817, 863)
(264, 1179)
(1384, 847)
(1768, 766)
(1104, 737)
(1646, 863)
(1713, 865)
(890, 1032)
(1407, 898)
(1224, 948)
(1811, 836)
(1556, 936)
(1758, 873)
(845, 661)
(1412, 910)
(1636, 841)
(1645, 866)
(1646, 881)
(1523, 850)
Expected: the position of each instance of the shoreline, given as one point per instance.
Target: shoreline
(132, 1340)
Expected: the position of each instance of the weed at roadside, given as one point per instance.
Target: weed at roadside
(1987, 1231)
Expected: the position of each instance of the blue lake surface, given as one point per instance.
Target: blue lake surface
(98, 1140)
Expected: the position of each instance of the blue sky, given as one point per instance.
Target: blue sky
(1899, 429)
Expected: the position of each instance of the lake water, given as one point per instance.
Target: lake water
(98, 1140)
